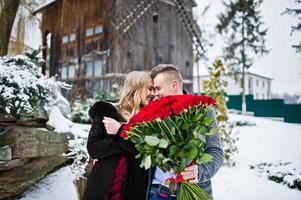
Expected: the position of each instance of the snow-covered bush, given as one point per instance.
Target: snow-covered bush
(23, 89)
(244, 123)
(80, 109)
(281, 172)
(80, 156)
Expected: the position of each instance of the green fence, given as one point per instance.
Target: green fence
(268, 108)
(235, 102)
(292, 113)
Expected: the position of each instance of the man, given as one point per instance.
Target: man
(168, 80)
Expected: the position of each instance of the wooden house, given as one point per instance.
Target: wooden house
(93, 44)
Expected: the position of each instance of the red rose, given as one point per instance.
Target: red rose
(177, 108)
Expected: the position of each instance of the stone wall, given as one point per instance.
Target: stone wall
(26, 156)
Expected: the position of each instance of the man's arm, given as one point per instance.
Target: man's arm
(213, 147)
(205, 171)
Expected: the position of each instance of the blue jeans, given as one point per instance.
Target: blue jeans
(160, 193)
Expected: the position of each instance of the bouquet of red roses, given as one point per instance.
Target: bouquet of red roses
(170, 133)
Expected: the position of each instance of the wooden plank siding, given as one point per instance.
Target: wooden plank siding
(97, 42)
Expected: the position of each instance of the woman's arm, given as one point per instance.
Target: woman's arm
(114, 128)
(100, 145)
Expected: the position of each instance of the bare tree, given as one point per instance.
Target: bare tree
(8, 11)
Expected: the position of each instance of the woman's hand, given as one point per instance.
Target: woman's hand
(111, 125)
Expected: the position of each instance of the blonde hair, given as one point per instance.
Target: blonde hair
(131, 96)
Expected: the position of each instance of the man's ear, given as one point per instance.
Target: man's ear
(175, 85)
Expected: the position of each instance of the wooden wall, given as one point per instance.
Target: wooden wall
(158, 36)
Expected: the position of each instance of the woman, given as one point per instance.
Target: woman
(116, 174)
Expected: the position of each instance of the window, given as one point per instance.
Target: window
(89, 69)
(98, 29)
(71, 71)
(94, 30)
(68, 71)
(97, 67)
(257, 83)
(187, 63)
(250, 82)
(69, 38)
(64, 72)
(72, 37)
(160, 59)
(65, 39)
(129, 55)
(155, 17)
(89, 31)
(94, 68)
(263, 84)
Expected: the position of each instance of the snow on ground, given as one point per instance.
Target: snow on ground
(57, 185)
(268, 141)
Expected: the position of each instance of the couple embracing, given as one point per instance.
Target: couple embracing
(116, 174)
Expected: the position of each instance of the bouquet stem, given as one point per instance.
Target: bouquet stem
(190, 191)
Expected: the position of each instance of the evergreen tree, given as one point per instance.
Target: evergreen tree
(215, 87)
(23, 89)
(296, 12)
(243, 26)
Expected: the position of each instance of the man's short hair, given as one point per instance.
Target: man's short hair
(169, 69)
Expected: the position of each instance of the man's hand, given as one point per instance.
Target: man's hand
(191, 173)
(111, 125)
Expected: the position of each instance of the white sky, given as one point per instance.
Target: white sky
(282, 64)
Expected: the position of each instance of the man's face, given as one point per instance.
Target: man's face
(163, 87)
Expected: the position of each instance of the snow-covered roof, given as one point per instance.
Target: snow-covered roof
(203, 72)
(45, 5)
(256, 72)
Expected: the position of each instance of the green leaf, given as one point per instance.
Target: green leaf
(147, 162)
(202, 130)
(163, 143)
(208, 121)
(173, 130)
(206, 158)
(212, 131)
(193, 152)
(185, 125)
(151, 140)
(172, 150)
(202, 138)
(165, 160)
(196, 117)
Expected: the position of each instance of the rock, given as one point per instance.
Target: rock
(34, 142)
(28, 154)
(15, 182)
(5, 153)
(7, 165)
